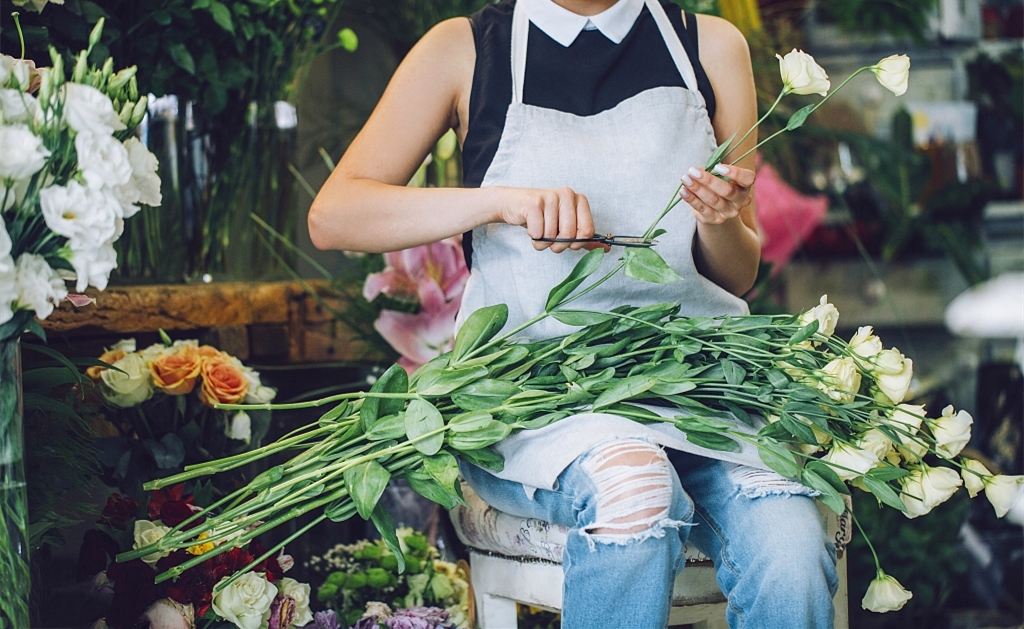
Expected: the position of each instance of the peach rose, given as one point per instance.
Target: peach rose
(175, 374)
(207, 351)
(110, 357)
(223, 382)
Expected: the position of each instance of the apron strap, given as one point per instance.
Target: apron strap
(521, 32)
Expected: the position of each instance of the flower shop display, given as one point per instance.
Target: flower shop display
(262, 597)
(818, 409)
(160, 403)
(71, 172)
(364, 576)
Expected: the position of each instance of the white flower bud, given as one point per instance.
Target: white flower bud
(885, 594)
(802, 75)
(893, 73)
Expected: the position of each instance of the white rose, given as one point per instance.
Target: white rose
(892, 373)
(802, 75)
(38, 286)
(875, 442)
(88, 110)
(849, 462)
(93, 266)
(300, 594)
(86, 217)
(864, 343)
(170, 614)
(19, 107)
(103, 160)
(246, 602)
(825, 314)
(840, 379)
(885, 594)
(147, 533)
(17, 69)
(972, 481)
(239, 427)
(154, 351)
(893, 73)
(22, 153)
(926, 488)
(130, 388)
(951, 432)
(145, 169)
(1002, 491)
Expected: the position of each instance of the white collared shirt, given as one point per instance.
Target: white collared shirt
(564, 26)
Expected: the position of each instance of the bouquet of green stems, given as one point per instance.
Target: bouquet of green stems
(818, 409)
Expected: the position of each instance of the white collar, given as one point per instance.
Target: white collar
(564, 26)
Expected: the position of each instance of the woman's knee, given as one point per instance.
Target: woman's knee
(636, 492)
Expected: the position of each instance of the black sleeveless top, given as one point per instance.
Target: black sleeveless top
(591, 75)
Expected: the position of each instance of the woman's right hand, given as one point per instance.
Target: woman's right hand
(549, 213)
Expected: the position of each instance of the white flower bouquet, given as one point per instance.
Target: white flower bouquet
(71, 172)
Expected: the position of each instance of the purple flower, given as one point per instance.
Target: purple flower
(433, 617)
(366, 622)
(327, 619)
(282, 612)
(406, 622)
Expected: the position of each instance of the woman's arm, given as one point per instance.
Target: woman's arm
(365, 204)
(726, 249)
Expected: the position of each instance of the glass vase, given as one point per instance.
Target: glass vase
(14, 567)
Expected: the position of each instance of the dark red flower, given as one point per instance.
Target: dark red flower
(269, 565)
(230, 562)
(175, 512)
(118, 511)
(134, 591)
(98, 549)
(175, 493)
(194, 586)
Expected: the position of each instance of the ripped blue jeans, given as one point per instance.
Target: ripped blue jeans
(630, 507)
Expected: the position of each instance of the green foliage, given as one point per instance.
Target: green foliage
(906, 18)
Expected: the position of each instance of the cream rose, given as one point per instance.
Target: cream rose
(840, 379)
(850, 462)
(299, 592)
(893, 73)
(864, 343)
(246, 602)
(926, 488)
(825, 314)
(130, 386)
(892, 373)
(972, 481)
(1003, 491)
(147, 533)
(875, 442)
(802, 75)
(885, 594)
(906, 418)
(951, 432)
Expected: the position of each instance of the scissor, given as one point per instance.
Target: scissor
(608, 239)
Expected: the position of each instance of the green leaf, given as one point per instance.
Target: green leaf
(799, 116)
(884, 492)
(485, 458)
(386, 527)
(646, 265)
(442, 467)
(887, 473)
(38, 402)
(222, 16)
(468, 422)
(366, 483)
(586, 266)
(340, 510)
(484, 394)
(687, 423)
(390, 427)
(738, 412)
(333, 414)
(734, 374)
(479, 328)
(713, 441)
(445, 381)
(624, 389)
(580, 317)
(493, 432)
(716, 156)
(778, 457)
(422, 418)
(181, 57)
(672, 388)
(423, 484)
(824, 471)
(829, 495)
(394, 380)
(798, 429)
(46, 378)
(778, 379)
(804, 333)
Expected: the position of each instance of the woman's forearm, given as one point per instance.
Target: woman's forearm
(727, 254)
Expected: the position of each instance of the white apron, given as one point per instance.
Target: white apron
(627, 161)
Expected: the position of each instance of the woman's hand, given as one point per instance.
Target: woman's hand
(549, 213)
(715, 200)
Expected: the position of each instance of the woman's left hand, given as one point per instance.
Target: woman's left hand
(715, 200)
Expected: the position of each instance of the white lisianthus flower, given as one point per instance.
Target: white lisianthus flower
(103, 160)
(15, 73)
(147, 533)
(972, 481)
(876, 442)
(299, 592)
(257, 392)
(825, 314)
(802, 75)
(892, 373)
(246, 602)
(864, 343)
(86, 217)
(22, 153)
(907, 418)
(93, 266)
(19, 106)
(38, 286)
(893, 73)
(926, 488)
(88, 110)
(8, 276)
(885, 594)
(840, 379)
(239, 427)
(951, 432)
(145, 168)
(849, 462)
(1002, 491)
(130, 386)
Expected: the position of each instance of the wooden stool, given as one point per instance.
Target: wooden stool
(518, 560)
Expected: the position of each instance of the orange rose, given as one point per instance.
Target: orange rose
(110, 357)
(206, 352)
(175, 374)
(223, 382)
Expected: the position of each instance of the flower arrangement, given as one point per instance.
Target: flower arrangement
(818, 409)
(380, 616)
(362, 576)
(161, 408)
(262, 596)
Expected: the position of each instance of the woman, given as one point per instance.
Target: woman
(576, 116)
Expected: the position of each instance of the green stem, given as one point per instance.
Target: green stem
(871, 547)
(757, 124)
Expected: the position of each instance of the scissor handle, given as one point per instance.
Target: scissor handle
(620, 241)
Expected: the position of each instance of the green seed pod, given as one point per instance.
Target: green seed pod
(108, 70)
(81, 68)
(121, 79)
(126, 113)
(133, 88)
(139, 111)
(97, 32)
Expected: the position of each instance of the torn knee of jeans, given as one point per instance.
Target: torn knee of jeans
(634, 491)
(757, 483)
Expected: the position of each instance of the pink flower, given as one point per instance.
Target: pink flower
(433, 275)
(786, 216)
